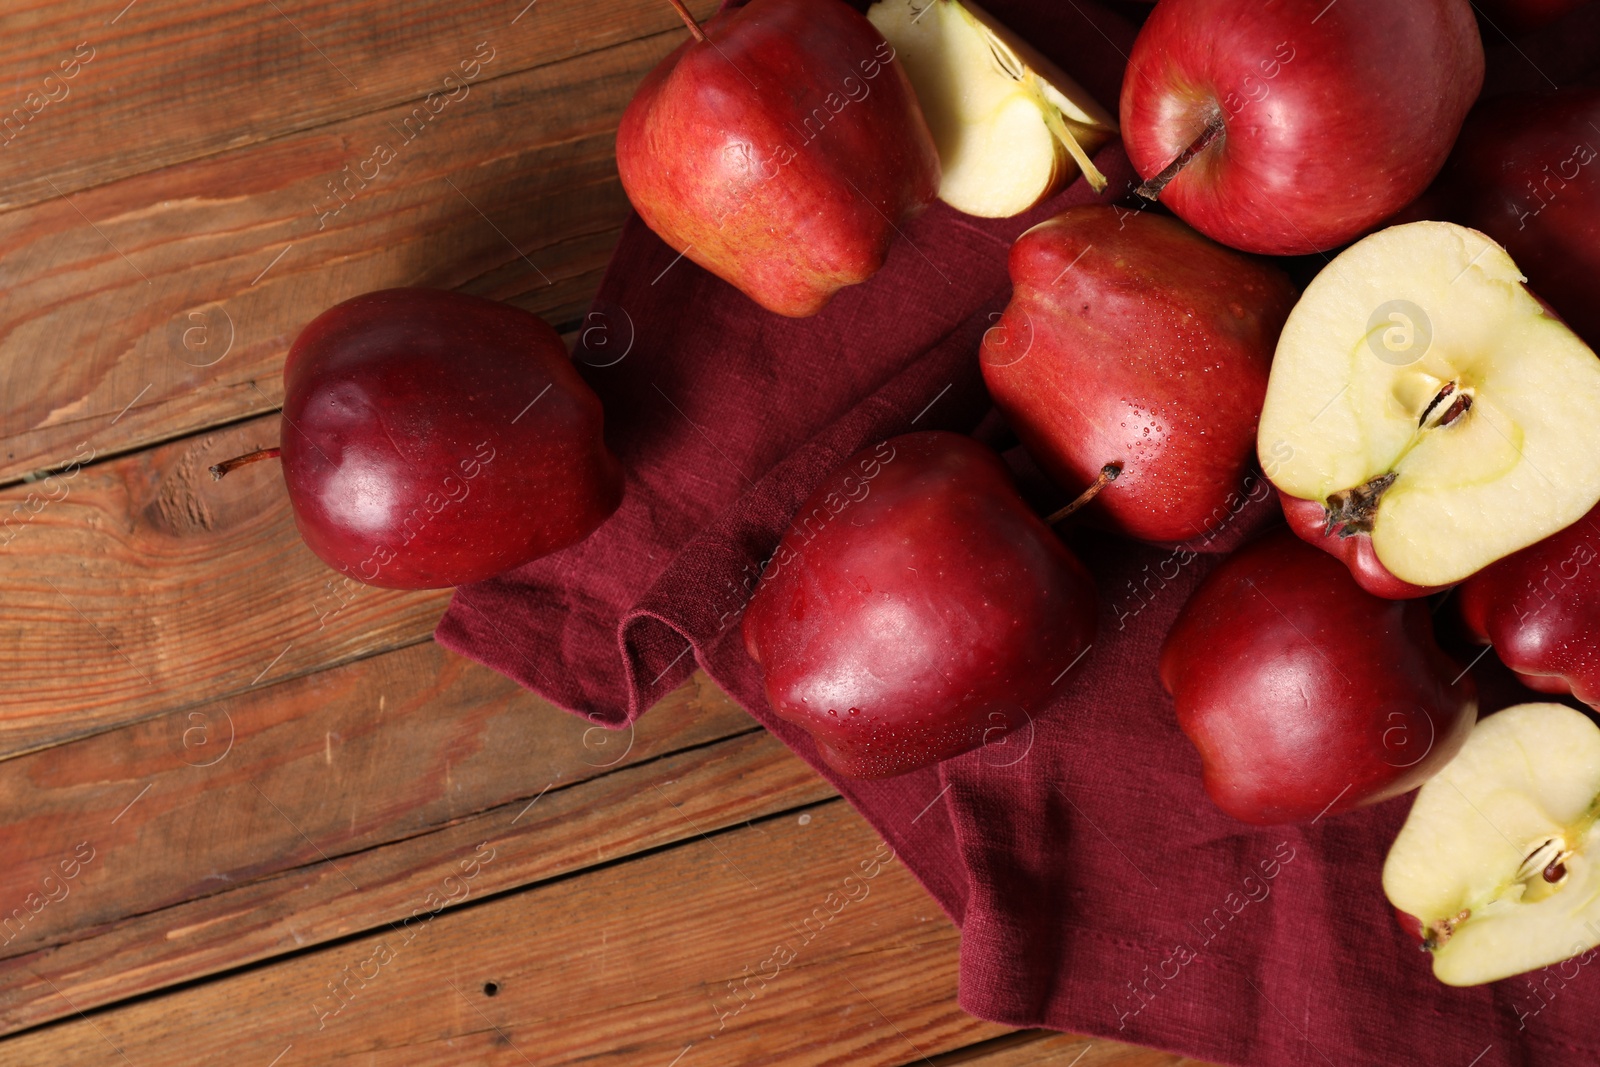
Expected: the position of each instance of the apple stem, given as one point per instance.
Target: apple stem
(1151, 189)
(229, 465)
(1108, 474)
(688, 19)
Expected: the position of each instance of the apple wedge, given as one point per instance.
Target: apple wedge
(1497, 860)
(1011, 128)
(1427, 400)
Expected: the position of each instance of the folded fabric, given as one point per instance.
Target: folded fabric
(1097, 888)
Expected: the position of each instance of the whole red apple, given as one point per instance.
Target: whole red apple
(432, 439)
(1309, 520)
(1292, 126)
(1306, 695)
(1131, 339)
(1540, 608)
(779, 150)
(916, 608)
(1527, 173)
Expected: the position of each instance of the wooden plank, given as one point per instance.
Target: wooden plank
(143, 586)
(628, 964)
(199, 802)
(563, 827)
(107, 89)
(164, 303)
(1042, 1048)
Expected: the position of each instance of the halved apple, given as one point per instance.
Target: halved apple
(1426, 399)
(1497, 862)
(1011, 128)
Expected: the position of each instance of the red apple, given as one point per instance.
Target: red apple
(1305, 694)
(1527, 173)
(1292, 127)
(916, 608)
(1131, 339)
(779, 150)
(1495, 861)
(1427, 414)
(433, 439)
(1309, 520)
(1540, 608)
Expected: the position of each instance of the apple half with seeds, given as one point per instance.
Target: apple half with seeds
(1010, 126)
(1495, 866)
(1425, 399)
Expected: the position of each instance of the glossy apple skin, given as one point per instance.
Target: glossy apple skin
(916, 608)
(1307, 519)
(412, 456)
(1527, 173)
(1132, 339)
(1304, 693)
(1540, 608)
(1331, 122)
(716, 155)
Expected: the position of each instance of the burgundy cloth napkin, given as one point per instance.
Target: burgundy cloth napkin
(1097, 888)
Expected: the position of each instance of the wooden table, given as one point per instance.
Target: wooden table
(249, 815)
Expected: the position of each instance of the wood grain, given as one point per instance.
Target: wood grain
(200, 802)
(167, 82)
(164, 303)
(566, 825)
(145, 587)
(1042, 1048)
(629, 964)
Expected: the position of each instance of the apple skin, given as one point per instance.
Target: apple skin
(1146, 344)
(1526, 171)
(1411, 925)
(1540, 608)
(1305, 694)
(715, 154)
(1307, 518)
(1334, 116)
(411, 453)
(916, 608)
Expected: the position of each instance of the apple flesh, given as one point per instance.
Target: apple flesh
(1304, 694)
(1427, 401)
(916, 608)
(1526, 171)
(1495, 863)
(781, 152)
(1540, 608)
(1010, 126)
(1131, 339)
(1309, 521)
(1296, 127)
(433, 439)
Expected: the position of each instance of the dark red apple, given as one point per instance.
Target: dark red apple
(1527, 173)
(1306, 695)
(1309, 520)
(1540, 608)
(1131, 339)
(432, 439)
(1293, 126)
(916, 608)
(779, 150)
